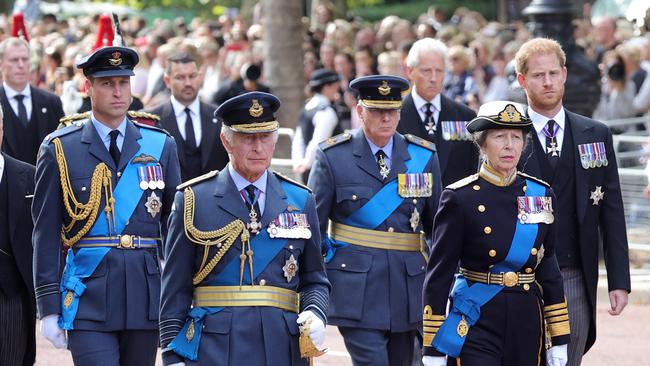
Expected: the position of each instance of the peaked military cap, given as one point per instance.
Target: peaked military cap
(380, 91)
(109, 61)
(323, 77)
(500, 114)
(252, 112)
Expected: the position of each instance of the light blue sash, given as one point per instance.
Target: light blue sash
(468, 300)
(264, 248)
(84, 262)
(382, 204)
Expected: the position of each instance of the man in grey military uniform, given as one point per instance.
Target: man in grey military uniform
(243, 247)
(378, 191)
(104, 189)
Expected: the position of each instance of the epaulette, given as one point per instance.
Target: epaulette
(154, 128)
(62, 131)
(526, 176)
(198, 179)
(335, 140)
(285, 178)
(137, 114)
(420, 142)
(71, 119)
(463, 182)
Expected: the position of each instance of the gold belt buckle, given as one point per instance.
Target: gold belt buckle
(510, 279)
(126, 241)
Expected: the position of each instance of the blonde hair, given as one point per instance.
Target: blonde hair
(538, 46)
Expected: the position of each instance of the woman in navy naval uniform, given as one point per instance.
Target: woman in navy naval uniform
(507, 302)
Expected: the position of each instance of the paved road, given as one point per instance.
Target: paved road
(621, 342)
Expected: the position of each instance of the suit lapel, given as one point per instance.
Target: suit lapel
(8, 131)
(528, 162)
(16, 193)
(130, 145)
(581, 135)
(209, 133)
(97, 148)
(169, 123)
(231, 201)
(365, 159)
(275, 199)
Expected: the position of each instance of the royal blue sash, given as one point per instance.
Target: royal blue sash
(84, 262)
(264, 248)
(468, 300)
(382, 204)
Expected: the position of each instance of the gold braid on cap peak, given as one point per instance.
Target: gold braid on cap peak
(101, 178)
(382, 104)
(223, 238)
(269, 126)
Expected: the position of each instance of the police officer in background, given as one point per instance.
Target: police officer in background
(317, 121)
(243, 247)
(378, 190)
(104, 190)
(500, 226)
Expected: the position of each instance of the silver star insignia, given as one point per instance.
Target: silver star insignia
(597, 195)
(431, 128)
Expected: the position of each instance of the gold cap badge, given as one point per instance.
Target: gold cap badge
(256, 109)
(510, 114)
(384, 89)
(116, 59)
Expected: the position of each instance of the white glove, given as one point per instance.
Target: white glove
(50, 330)
(557, 356)
(317, 328)
(434, 360)
(178, 364)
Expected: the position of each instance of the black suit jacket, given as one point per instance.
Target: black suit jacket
(607, 217)
(46, 112)
(20, 182)
(213, 154)
(458, 159)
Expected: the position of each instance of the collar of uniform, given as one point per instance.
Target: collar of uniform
(11, 93)
(241, 182)
(488, 173)
(104, 130)
(540, 121)
(387, 149)
(420, 102)
(179, 109)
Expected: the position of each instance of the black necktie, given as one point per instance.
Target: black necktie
(190, 139)
(113, 149)
(22, 111)
(429, 121)
(381, 163)
(252, 198)
(552, 148)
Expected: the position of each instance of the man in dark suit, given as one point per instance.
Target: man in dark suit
(428, 114)
(17, 306)
(30, 113)
(575, 155)
(189, 120)
(104, 189)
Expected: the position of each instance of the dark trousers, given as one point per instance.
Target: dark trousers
(372, 347)
(579, 313)
(120, 348)
(13, 330)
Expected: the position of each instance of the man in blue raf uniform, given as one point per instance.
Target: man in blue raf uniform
(243, 247)
(378, 191)
(104, 190)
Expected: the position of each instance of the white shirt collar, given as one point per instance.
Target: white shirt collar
(540, 121)
(179, 109)
(11, 93)
(2, 166)
(420, 102)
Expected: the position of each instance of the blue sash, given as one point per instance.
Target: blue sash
(264, 249)
(83, 263)
(382, 204)
(467, 300)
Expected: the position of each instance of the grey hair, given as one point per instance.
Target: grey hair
(227, 133)
(425, 45)
(12, 42)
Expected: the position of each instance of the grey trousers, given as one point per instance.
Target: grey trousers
(13, 330)
(579, 313)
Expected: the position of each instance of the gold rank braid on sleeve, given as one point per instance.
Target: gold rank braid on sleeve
(223, 238)
(101, 179)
